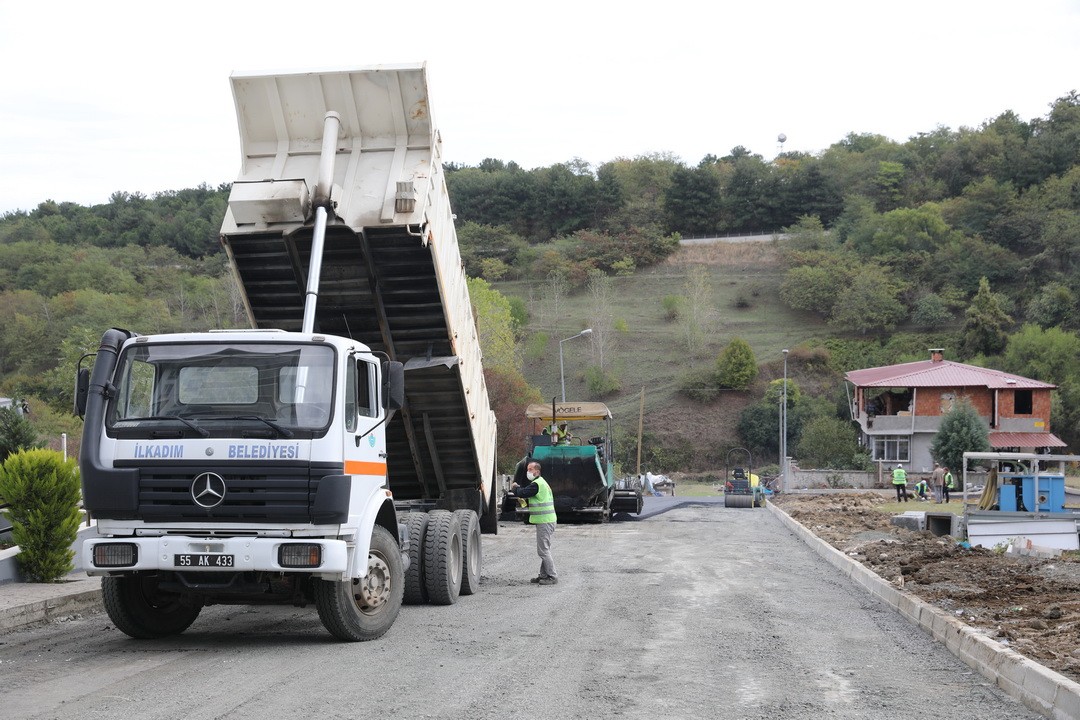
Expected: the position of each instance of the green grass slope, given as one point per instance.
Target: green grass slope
(650, 352)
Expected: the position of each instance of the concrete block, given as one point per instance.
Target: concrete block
(941, 523)
(911, 520)
(1040, 683)
(959, 526)
(1067, 702)
(910, 607)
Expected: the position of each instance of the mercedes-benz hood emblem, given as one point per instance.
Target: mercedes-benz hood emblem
(208, 490)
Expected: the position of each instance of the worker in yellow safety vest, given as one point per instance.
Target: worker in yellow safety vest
(899, 481)
(541, 516)
(560, 435)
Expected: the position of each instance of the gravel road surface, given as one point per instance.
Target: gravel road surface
(693, 611)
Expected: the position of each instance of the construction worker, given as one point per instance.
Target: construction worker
(938, 481)
(922, 488)
(561, 435)
(899, 481)
(949, 484)
(542, 517)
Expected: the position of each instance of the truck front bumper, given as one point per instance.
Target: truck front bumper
(319, 556)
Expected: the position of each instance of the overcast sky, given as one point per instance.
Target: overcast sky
(99, 97)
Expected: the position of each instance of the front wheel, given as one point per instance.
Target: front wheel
(139, 609)
(364, 608)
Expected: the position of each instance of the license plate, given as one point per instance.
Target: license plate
(203, 560)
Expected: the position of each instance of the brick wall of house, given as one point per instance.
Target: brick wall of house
(934, 402)
(1040, 405)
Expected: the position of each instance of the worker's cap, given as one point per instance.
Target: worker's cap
(899, 465)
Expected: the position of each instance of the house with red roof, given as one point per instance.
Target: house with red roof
(899, 408)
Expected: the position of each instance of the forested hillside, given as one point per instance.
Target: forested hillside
(968, 239)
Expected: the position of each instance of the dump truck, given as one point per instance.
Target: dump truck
(341, 451)
(579, 469)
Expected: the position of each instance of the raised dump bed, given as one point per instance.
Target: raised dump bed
(391, 273)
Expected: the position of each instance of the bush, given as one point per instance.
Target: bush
(736, 367)
(42, 491)
(600, 382)
(16, 433)
(672, 306)
(699, 385)
(536, 346)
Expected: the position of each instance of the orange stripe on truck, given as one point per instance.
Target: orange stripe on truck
(357, 467)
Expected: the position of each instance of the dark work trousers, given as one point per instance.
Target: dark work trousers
(901, 492)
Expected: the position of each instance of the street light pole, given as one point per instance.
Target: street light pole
(783, 420)
(562, 375)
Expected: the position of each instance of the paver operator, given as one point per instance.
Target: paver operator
(541, 515)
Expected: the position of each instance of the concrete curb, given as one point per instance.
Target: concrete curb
(51, 607)
(1038, 687)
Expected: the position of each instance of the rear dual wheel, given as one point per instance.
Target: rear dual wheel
(443, 563)
(415, 591)
(445, 556)
(471, 551)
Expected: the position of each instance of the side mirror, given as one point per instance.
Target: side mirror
(394, 384)
(82, 389)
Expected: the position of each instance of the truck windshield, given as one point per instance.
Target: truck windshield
(224, 388)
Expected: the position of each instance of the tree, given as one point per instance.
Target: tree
(697, 311)
(554, 295)
(809, 234)
(961, 431)
(1055, 305)
(736, 367)
(494, 324)
(829, 442)
(812, 288)
(492, 252)
(16, 433)
(509, 394)
(759, 424)
(888, 185)
(601, 320)
(692, 202)
(869, 305)
(986, 323)
(1051, 355)
(931, 312)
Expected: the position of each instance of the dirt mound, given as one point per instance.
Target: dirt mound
(1030, 604)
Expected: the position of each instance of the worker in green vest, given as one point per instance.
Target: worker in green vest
(541, 516)
(949, 485)
(899, 481)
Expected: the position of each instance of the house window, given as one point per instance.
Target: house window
(1022, 402)
(891, 448)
